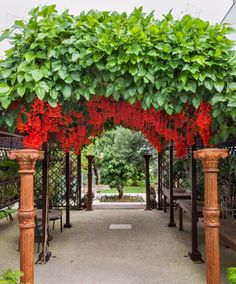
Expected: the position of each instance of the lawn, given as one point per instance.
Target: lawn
(9, 211)
(127, 189)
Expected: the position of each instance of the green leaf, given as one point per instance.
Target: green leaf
(184, 98)
(150, 77)
(208, 84)
(4, 88)
(24, 118)
(148, 101)
(219, 85)
(53, 103)
(62, 73)
(75, 56)
(40, 92)
(217, 98)
(37, 75)
(5, 102)
(133, 70)
(21, 90)
(53, 94)
(6, 73)
(161, 100)
(29, 57)
(75, 76)
(9, 120)
(110, 90)
(196, 101)
(232, 86)
(66, 91)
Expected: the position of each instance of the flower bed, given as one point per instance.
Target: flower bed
(125, 198)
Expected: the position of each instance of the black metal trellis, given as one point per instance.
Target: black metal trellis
(57, 180)
(9, 186)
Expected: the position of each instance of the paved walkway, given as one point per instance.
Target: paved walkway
(90, 253)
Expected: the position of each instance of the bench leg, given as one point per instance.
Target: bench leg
(180, 219)
(61, 223)
(164, 204)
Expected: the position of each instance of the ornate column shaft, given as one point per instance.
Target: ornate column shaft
(26, 159)
(90, 182)
(210, 158)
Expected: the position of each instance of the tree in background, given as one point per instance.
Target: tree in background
(119, 157)
(115, 171)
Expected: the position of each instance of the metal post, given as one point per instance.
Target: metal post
(45, 254)
(147, 181)
(79, 181)
(67, 171)
(172, 217)
(195, 255)
(90, 182)
(159, 205)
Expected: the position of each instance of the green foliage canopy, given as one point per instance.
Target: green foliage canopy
(61, 58)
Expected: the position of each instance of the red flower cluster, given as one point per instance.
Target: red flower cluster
(74, 130)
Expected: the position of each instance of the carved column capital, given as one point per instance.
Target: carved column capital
(210, 158)
(26, 158)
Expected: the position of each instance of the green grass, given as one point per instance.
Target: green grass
(127, 189)
(10, 211)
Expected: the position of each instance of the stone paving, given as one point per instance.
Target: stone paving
(90, 253)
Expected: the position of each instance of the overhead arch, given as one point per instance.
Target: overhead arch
(181, 72)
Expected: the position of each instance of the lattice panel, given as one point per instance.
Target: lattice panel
(57, 180)
(181, 172)
(73, 181)
(165, 169)
(9, 181)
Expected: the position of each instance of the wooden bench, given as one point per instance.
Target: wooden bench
(228, 233)
(186, 206)
(176, 196)
(53, 215)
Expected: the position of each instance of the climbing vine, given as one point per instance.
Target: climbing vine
(60, 65)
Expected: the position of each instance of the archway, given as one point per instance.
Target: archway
(66, 77)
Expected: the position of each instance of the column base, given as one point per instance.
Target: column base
(67, 225)
(159, 208)
(172, 225)
(148, 209)
(196, 256)
(88, 209)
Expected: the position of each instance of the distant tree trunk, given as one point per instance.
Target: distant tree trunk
(120, 190)
(95, 173)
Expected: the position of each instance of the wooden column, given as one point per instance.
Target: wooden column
(209, 158)
(172, 216)
(147, 181)
(67, 172)
(79, 181)
(159, 204)
(195, 255)
(26, 159)
(90, 182)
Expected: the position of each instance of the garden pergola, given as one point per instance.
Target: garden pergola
(68, 78)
